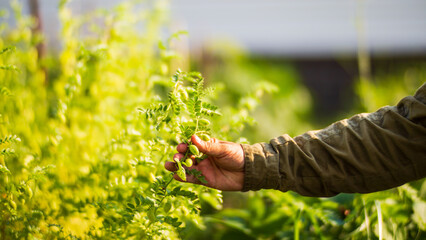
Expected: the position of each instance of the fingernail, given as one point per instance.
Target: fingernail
(197, 138)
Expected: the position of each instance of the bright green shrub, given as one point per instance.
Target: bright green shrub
(77, 160)
(88, 165)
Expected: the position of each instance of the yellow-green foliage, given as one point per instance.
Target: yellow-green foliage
(87, 164)
(77, 160)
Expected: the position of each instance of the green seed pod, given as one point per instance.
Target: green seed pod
(203, 122)
(12, 204)
(194, 149)
(205, 137)
(188, 162)
(29, 191)
(181, 172)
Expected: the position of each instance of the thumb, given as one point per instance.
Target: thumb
(210, 148)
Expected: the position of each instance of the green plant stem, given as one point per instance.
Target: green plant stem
(159, 203)
(379, 219)
(297, 225)
(367, 221)
(164, 188)
(196, 125)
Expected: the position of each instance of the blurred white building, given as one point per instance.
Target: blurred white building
(285, 28)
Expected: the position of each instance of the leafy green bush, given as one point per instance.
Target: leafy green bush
(77, 160)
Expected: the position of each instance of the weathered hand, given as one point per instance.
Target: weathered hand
(224, 167)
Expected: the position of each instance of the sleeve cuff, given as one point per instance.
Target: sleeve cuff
(261, 167)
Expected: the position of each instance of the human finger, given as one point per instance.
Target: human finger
(170, 166)
(212, 147)
(182, 147)
(178, 156)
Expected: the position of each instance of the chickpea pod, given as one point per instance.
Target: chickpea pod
(194, 150)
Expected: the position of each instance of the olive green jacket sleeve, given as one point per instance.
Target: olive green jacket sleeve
(366, 153)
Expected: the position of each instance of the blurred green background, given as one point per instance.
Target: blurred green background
(82, 154)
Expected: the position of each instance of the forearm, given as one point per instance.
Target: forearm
(366, 153)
